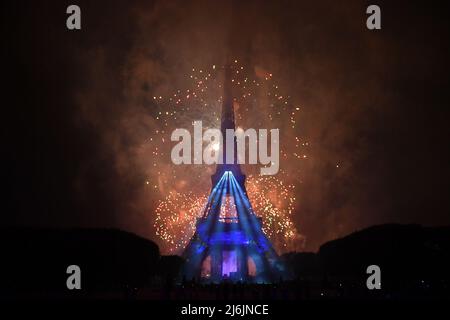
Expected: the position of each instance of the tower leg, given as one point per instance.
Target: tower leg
(216, 265)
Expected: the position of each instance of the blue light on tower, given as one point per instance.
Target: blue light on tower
(235, 250)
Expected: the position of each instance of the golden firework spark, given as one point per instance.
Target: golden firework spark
(271, 199)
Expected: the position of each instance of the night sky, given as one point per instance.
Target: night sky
(79, 109)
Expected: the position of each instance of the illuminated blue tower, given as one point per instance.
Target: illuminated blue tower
(229, 243)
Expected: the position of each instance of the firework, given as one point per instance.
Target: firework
(271, 199)
(259, 103)
(274, 202)
(176, 217)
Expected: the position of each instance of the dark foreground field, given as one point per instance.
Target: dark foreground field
(414, 264)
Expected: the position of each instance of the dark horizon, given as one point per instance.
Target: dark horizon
(119, 265)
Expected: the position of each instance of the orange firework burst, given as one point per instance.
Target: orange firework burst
(271, 199)
(259, 101)
(176, 216)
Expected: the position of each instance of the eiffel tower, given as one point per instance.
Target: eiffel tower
(229, 243)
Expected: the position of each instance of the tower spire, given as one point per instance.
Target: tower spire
(228, 122)
(228, 102)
